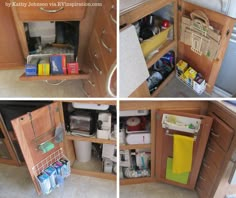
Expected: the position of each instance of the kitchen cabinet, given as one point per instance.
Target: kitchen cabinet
(39, 127)
(175, 10)
(11, 56)
(219, 160)
(214, 148)
(160, 145)
(96, 56)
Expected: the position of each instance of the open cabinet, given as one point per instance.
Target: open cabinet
(152, 58)
(47, 140)
(55, 44)
(213, 144)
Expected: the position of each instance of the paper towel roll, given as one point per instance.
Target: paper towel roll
(83, 151)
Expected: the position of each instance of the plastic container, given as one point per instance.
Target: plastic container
(83, 151)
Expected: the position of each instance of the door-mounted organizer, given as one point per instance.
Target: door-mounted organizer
(187, 125)
(197, 32)
(49, 161)
(181, 123)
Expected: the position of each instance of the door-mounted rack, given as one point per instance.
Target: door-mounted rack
(181, 123)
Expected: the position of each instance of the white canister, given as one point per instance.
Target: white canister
(83, 151)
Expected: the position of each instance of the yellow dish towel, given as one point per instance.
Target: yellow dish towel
(182, 154)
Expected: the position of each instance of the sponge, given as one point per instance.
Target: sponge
(45, 147)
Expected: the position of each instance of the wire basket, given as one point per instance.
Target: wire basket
(48, 161)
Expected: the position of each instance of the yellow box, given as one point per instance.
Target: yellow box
(155, 42)
(190, 73)
(43, 69)
(182, 66)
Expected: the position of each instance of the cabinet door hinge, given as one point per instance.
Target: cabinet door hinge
(179, 8)
(158, 116)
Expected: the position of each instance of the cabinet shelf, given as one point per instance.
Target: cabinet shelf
(135, 146)
(163, 84)
(81, 76)
(91, 168)
(167, 46)
(90, 139)
(139, 180)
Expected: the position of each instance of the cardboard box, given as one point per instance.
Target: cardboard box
(31, 68)
(44, 67)
(182, 66)
(73, 68)
(58, 64)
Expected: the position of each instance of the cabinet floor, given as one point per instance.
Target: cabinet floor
(11, 86)
(16, 182)
(155, 190)
(177, 89)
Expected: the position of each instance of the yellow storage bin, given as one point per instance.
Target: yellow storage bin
(155, 42)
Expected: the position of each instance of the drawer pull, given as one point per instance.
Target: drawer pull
(103, 43)
(91, 83)
(55, 84)
(112, 18)
(206, 165)
(85, 93)
(202, 178)
(51, 11)
(198, 189)
(210, 149)
(215, 135)
(96, 67)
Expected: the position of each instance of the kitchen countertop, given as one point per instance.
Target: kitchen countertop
(228, 106)
(126, 6)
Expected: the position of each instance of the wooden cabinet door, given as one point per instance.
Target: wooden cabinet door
(208, 68)
(164, 147)
(34, 128)
(11, 56)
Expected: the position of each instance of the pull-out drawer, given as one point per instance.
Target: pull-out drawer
(96, 57)
(221, 133)
(204, 184)
(209, 170)
(111, 9)
(107, 37)
(49, 10)
(214, 154)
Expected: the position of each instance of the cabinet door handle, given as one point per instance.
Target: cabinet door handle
(210, 149)
(202, 178)
(103, 43)
(214, 134)
(97, 68)
(51, 11)
(111, 16)
(91, 83)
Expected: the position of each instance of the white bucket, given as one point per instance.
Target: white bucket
(83, 151)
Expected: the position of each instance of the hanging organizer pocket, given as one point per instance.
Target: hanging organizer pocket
(197, 32)
(51, 171)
